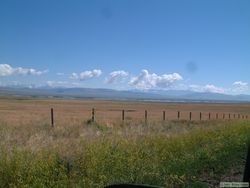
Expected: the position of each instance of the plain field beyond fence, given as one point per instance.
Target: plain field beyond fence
(30, 111)
(156, 117)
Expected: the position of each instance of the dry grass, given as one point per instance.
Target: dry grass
(168, 154)
(27, 111)
(77, 153)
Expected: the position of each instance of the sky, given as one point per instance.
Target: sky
(192, 45)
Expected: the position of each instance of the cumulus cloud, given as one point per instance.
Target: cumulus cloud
(240, 86)
(145, 80)
(115, 75)
(207, 88)
(86, 74)
(7, 70)
(90, 74)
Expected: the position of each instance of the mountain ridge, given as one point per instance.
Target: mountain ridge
(104, 93)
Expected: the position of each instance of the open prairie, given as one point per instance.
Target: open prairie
(79, 153)
(29, 111)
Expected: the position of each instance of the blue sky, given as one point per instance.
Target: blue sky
(130, 44)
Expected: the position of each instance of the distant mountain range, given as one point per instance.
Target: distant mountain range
(151, 95)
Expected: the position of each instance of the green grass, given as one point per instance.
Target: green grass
(192, 155)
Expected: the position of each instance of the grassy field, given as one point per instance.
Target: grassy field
(77, 153)
(25, 111)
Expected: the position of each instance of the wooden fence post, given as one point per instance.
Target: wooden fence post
(123, 115)
(146, 116)
(223, 116)
(190, 116)
(229, 116)
(200, 116)
(234, 116)
(52, 117)
(216, 115)
(93, 115)
(209, 116)
(164, 115)
(178, 114)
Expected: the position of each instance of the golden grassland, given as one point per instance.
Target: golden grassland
(78, 153)
(30, 111)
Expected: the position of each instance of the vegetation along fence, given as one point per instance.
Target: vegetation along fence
(201, 116)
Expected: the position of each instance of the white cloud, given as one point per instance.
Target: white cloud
(115, 75)
(7, 70)
(240, 86)
(86, 74)
(213, 89)
(207, 88)
(145, 80)
(74, 76)
(90, 74)
(240, 83)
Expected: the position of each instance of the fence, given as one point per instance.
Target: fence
(209, 115)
